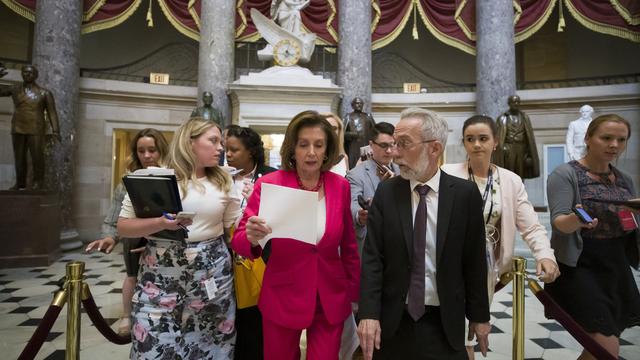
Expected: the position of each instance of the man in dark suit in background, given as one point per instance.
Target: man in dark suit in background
(423, 263)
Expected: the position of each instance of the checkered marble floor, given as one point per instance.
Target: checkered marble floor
(25, 295)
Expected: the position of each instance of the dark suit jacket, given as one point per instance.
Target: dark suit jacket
(461, 269)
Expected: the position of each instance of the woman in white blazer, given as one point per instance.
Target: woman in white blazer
(506, 206)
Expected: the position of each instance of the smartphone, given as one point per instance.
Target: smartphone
(186, 215)
(582, 215)
(363, 203)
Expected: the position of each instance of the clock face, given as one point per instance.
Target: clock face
(286, 53)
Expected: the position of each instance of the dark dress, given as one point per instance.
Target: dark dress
(600, 292)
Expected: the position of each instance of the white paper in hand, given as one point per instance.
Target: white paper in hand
(291, 213)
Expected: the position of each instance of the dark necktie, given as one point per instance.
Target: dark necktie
(416, 284)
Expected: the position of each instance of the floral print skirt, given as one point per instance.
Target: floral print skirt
(184, 303)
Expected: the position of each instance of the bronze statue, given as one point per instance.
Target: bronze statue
(34, 105)
(206, 111)
(358, 128)
(516, 144)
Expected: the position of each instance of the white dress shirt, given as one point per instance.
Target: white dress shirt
(430, 285)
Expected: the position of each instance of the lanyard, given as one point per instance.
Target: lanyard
(487, 190)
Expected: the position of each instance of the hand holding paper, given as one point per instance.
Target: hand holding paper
(257, 230)
(290, 213)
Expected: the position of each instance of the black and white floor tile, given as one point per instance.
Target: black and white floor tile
(26, 293)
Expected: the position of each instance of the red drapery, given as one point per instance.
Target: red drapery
(451, 21)
(604, 17)
(178, 14)
(106, 14)
(97, 14)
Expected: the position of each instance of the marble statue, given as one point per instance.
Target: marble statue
(358, 128)
(34, 106)
(516, 149)
(207, 111)
(287, 44)
(287, 14)
(575, 134)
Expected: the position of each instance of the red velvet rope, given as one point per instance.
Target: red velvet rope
(578, 333)
(100, 324)
(40, 335)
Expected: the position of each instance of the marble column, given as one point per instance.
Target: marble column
(56, 54)
(496, 56)
(354, 53)
(216, 60)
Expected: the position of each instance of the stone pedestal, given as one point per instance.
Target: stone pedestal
(30, 228)
(268, 100)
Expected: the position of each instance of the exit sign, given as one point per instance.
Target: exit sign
(412, 88)
(159, 78)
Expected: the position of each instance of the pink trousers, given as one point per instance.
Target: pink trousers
(323, 340)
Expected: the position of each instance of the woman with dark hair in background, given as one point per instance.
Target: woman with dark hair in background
(147, 148)
(507, 209)
(597, 287)
(306, 286)
(245, 152)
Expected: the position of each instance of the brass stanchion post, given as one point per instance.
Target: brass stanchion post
(75, 272)
(519, 275)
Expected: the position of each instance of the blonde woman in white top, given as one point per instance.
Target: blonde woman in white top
(184, 304)
(506, 206)
(342, 166)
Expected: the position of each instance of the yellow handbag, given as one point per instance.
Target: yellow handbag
(248, 280)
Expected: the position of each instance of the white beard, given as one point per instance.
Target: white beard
(421, 167)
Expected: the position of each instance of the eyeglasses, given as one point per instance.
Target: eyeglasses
(405, 144)
(385, 146)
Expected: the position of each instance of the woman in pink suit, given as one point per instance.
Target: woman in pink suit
(306, 286)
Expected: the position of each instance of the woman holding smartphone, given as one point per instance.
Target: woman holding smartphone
(596, 287)
(184, 303)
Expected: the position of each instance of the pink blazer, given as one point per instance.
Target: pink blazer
(517, 215)
(297, 273)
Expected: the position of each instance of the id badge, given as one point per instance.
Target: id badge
(627, 220)
(211, 287)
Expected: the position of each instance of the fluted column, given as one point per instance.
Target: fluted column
(496, 56)
(354, 53)
(216, 59)
(56, 54)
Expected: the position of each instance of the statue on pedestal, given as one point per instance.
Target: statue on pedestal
(516, 144)
(34, 106)
(287, 44)
(206, 111)
(358, 128)
(575, 134)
